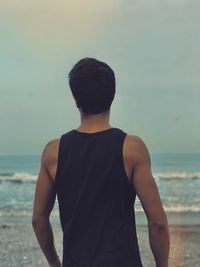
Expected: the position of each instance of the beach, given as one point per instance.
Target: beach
(19, 247)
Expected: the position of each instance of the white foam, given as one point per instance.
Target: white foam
(18, 177)
(177, 175)
(19, 213)
(28, 177)
(176, 208)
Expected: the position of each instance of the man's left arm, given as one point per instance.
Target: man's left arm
(43, 204)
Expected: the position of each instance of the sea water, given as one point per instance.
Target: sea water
(177, 177)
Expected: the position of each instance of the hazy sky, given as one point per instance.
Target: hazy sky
(152, 46)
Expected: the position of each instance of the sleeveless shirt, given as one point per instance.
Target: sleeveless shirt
(96, 201)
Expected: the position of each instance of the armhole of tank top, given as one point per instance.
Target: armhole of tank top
(126, 178)
(58, 161)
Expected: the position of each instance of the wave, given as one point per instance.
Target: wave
(178, 208)
(177, 175)
(19, 213)
(175, 209)
(29, 177)
(18, 177)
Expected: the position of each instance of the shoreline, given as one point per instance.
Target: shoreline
(174, 218)
(19, 247)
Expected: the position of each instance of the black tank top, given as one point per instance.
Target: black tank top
(96, 201)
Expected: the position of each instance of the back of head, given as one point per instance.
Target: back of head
(92, 83)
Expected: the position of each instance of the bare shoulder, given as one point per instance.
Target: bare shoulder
(134, 140)
(50, 152)
(137, 148)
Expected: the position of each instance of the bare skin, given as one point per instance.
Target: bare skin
(138, 169)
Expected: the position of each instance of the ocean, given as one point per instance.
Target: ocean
(177, 177)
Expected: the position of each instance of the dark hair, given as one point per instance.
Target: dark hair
(92, 83)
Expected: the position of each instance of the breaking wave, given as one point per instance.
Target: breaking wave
(18, 177)
(177, 175)
(29, 177)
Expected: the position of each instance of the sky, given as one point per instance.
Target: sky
(152, 46)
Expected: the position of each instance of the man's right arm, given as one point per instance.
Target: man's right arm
(147, 191)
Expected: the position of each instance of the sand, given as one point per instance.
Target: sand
(19, 247)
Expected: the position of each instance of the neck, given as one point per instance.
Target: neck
(95, 122)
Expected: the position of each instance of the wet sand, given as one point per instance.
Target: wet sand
(19, 247)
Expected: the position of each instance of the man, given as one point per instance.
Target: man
(96, 171)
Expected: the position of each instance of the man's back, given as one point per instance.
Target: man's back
(136, 168)
(96, 200)
(53, 150)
